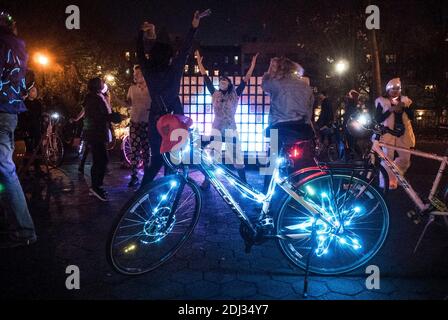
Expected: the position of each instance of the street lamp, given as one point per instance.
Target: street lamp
(341, 67)
(43, 61)
(110, 79)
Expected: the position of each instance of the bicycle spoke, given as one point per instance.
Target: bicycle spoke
(353, 233)
(141, 244)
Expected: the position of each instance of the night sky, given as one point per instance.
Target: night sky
(230, 22)
(115, 22)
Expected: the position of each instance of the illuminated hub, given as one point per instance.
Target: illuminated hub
(159, 226)
(332, 230)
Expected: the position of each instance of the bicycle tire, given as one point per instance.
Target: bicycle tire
(126, 149)
(153, 232)
(334, 250)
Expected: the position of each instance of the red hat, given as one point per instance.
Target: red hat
(166, 125)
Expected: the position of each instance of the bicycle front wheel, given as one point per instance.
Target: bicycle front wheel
(359, 222)
(54, 151)
(154, 225)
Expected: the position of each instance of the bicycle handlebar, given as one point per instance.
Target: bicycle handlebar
(380, 129)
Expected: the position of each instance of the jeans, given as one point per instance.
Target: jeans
(99, 163)
(13, 200)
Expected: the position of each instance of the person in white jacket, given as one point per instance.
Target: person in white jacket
(394, 111)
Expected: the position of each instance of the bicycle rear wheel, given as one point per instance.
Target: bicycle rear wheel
(154, 225)
(359, 217)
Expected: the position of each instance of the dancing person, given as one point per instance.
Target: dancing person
(13, 66)
(98, 117)
(163, 74)
(394, 111)
(139, 100)
(225, 102)
(291, 108)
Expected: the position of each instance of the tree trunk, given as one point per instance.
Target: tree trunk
(376, 65)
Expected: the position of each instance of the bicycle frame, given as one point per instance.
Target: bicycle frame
(422, 206)
(212, 170)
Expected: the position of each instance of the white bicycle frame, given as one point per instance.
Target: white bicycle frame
(422, 206)
(214, 171)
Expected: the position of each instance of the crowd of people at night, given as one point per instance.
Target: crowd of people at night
(155, 92)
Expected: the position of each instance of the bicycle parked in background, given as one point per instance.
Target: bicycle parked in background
(434, 206)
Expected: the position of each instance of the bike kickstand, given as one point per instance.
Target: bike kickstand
(307, 269)
(431, 220)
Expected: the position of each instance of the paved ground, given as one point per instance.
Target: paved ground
(73, 229)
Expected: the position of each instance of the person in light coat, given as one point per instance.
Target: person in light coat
(394, 111)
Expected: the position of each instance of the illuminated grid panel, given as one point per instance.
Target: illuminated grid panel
(251, 116)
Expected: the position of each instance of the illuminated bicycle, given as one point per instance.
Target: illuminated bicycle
(325, 222)
(52, 145)
(434, 206)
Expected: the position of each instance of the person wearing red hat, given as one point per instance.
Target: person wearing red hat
(394, 111)
(163, 73)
